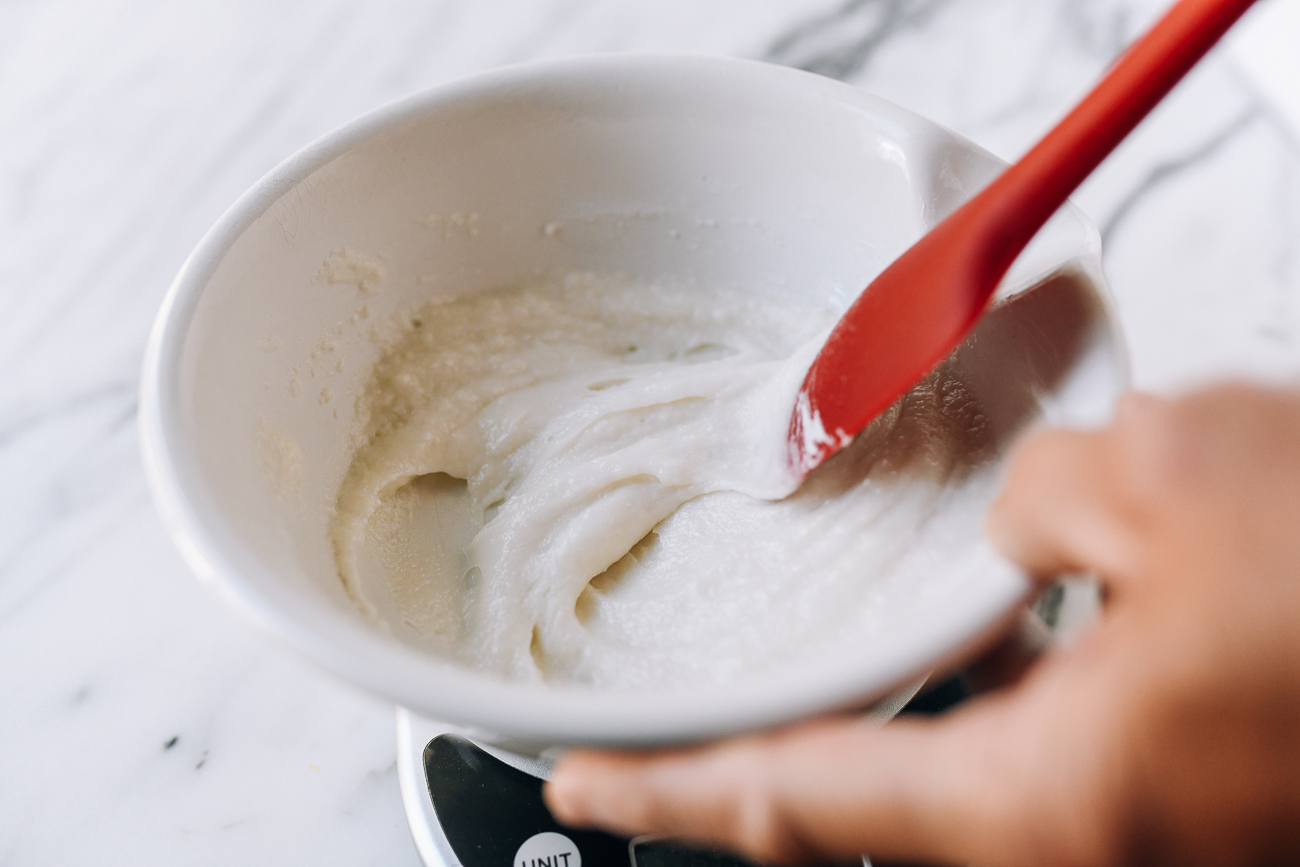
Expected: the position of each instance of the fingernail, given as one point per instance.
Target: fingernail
(564, 801)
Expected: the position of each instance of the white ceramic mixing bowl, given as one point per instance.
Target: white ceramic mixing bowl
(718, 171)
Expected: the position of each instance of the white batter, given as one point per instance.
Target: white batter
(584, 480)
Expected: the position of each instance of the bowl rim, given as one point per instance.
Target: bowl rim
(522, 713)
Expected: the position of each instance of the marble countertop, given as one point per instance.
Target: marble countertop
(140, 721)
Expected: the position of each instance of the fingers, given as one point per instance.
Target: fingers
(985, 783)
(937, 791)
(1070, 500)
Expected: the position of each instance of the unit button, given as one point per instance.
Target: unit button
(548, 849)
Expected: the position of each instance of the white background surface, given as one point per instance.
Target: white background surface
(127, 127)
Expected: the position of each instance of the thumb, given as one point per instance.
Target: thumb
(939, 790)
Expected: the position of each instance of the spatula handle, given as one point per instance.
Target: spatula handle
(1033, 189)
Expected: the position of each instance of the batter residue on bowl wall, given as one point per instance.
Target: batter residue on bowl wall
(582, 480)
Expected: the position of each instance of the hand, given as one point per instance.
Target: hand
(1169, 734)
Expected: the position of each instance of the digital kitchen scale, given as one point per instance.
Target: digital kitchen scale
(474, 805)
(471, 804)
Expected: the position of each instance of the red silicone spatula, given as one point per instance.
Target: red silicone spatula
(922, 306)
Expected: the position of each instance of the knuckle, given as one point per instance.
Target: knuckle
(759, 828)
(1055, 796)
(1213, 438)
(758, 831)
(1153, 446)
(1068, 829)
(1048, 468)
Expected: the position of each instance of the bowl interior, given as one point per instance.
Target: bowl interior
(700, 171)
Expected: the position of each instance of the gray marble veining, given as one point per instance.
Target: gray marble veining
(140, 723)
